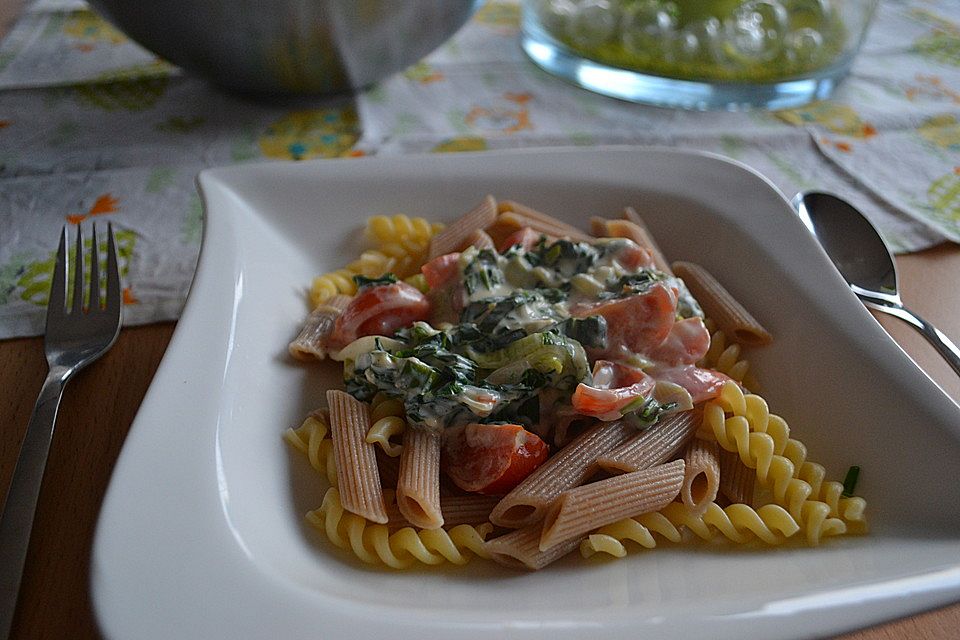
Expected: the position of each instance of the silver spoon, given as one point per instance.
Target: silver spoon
(860, 255)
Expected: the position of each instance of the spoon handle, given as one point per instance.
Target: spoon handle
(943, 344)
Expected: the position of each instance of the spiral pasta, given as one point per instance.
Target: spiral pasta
(724, 356)
(375, 544)
(763, 442)
(311, 439)
(388, 421)
(386, 229)
(401, 246)
(330, 284)
(739, 523)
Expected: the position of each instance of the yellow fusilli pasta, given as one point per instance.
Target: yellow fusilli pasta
(387, 421)
(375, 544)
(739, 523)
(763, 442)
(724, 356)
(330, 284)
(311, 439)
(387, 229)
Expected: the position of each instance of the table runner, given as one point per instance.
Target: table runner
(93, 127)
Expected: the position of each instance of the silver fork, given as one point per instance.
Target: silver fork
(72, 340)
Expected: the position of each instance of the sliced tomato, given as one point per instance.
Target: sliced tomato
(525, 237)
(441, 269)
(379, 311)
(491, 458)
(636, 324)
(633, 257)
(702, 384)
(687, 342)
(615, 386)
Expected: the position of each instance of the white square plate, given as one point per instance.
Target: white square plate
(202, 532)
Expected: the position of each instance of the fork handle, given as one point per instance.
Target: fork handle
(21, 503)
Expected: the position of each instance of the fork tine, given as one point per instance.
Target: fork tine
(78, 274)
(57, 302)
(94, 271)
(114, 297)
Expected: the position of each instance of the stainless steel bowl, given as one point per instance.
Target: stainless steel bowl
(298, 47)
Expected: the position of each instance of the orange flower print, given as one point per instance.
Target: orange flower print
(104, 203)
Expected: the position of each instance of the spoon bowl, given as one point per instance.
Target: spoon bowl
(863, 259)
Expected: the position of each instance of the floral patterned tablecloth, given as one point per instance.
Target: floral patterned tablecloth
(93, 127)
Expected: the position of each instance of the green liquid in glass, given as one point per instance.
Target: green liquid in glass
(705, 40)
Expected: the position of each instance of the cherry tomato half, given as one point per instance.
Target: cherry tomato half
(491, 458)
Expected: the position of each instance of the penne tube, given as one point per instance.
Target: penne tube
(311, 343)
(357, 476)
(737, 481)
(570, 467)
(459, 232)
(721, 307)
(542, 219)
(643, 237)
(471, 509)
(418, 485)
(701, 476)
(582, 509)
(654, 445)
(552, 228)
(481, 240)
(520, 549)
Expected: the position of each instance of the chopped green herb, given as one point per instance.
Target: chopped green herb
(850, 481)
(363, 282)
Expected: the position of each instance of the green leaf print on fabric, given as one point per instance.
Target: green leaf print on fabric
(133, 89)
(942, 44)
(33, 283)
(312, 133)
(944, 197)
(9, 275)
(502, 15)
(160, 178)
(942, 131)
(88, 27)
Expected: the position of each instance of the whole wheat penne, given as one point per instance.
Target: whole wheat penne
(570, 467)
(645, 239)
(631, 231)
(654, 445)
(531, 214)
(520, 549)
(579, 510)
(311, 343)
(357, 476)
(456, 510)
(471, 509)
(737, 481)
(418, 486)
(553, 228)
(480, 239)
(719, 305)
(701, 477)
(457, 234)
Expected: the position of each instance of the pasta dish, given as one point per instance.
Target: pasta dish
(516, 388)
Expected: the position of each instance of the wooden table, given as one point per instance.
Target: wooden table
(101, 402)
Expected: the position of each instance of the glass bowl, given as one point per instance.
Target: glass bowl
(699, 54)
